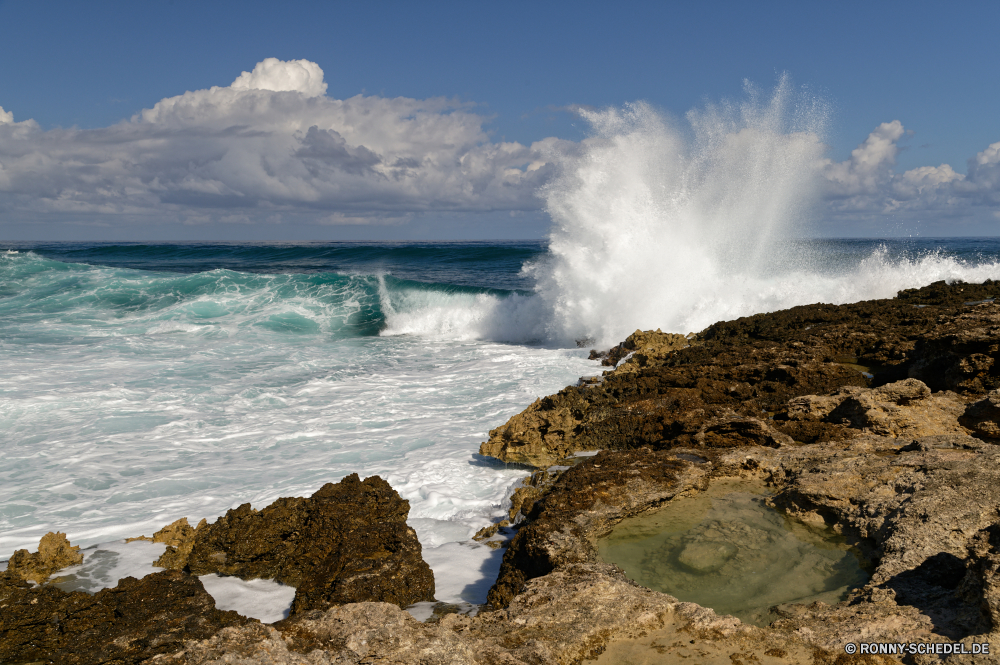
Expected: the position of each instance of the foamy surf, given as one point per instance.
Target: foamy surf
(141, 384)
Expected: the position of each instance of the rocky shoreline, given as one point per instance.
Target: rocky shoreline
(878, 419)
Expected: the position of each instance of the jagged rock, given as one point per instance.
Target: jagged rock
(348, 542)
(126, 624)
(179, 537)
(644, 346)
(54, 553)
(983, 417)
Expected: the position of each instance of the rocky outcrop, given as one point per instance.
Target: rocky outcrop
(179, 537)
(348, 542)
(576, 613)
(129, 623)
(639, 348)
(895, 453)
(750, 369)
(54, 553)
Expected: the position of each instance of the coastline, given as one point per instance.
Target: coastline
(875, 419)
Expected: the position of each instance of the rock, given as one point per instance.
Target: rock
(643, 346)
(348, 542)
(129, 623)
(584, 501)
(818, 407)
(179, 537)
(983, 417)
(903, 408)
(54, 553)
(981, 585)
(706, 556)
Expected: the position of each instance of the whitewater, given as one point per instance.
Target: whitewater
(143, 383)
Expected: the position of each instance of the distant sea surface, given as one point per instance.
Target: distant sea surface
(142, 383)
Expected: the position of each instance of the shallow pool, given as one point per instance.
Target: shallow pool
(726, 549)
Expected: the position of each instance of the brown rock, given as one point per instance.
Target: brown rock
(179, 537)
(903, 408)
(54, 553)
(983, 417)
(644, 346)
(126, 624)
(348, 542)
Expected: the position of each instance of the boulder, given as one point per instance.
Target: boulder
(983, 417)
(348, 542)
(54, 553)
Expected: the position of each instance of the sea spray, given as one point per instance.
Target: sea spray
(658, 226)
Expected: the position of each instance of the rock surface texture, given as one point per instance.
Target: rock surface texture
(129, 623)
(54, 553)
(348, 542)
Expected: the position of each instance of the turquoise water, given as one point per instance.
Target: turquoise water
(143, 383)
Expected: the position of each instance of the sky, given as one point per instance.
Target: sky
(452, 120)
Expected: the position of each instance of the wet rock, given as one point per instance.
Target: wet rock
(348, 542)
(179, 537)
(129, 623)
(641, 347)
(54, 553)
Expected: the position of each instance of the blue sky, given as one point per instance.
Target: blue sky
(515, 71)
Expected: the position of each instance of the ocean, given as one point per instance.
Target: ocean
(143, 383)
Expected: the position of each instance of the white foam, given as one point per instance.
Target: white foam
(452, 564)
(121, 437)
(105, 564)
(266, 600)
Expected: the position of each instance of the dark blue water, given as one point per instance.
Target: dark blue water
(486, 264)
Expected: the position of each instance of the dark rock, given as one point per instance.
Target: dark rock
(588, 498)
(129, 623)
(983, 417)
(348, 542)
(750, 369)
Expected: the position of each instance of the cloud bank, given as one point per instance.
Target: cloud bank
(273, 143)
(272, 147)
(867, 183)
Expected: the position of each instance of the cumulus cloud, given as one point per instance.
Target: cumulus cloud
(272, 142)
(868, 183)
(272, 146)
(281, 76)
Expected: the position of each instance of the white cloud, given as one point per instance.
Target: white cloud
(278, 75)
(867, 184)
(272, 146)
(274, 143)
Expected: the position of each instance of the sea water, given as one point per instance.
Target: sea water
(727, 550)
(143, 383)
